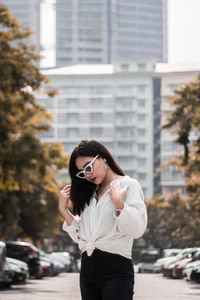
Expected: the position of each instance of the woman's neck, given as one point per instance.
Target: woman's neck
(110, 176)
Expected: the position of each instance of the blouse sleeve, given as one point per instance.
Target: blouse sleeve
(73, 229)
(133, 218)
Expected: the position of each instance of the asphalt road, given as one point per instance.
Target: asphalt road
(66, 287)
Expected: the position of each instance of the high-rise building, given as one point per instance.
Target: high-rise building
(28, 13)
(101, 31)
(109, 104)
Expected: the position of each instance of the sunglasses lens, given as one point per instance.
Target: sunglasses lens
(81, 175)
(88, 169)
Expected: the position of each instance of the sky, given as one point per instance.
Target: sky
(183, 32)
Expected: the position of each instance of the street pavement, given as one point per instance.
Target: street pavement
(66, 287)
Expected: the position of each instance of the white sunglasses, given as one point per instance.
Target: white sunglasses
(87, 170)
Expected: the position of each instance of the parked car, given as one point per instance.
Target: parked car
(64, 258)
(25, 252)
(169, 255)
(189, 268)
(6, 274)
(169, 265)
(148, 258)
(20, 270)
(195, 274)
(55, 266)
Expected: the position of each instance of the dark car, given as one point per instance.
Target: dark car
(6, 274)
(27, 253)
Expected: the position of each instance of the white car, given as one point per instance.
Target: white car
(189, 267)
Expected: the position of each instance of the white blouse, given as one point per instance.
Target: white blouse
(99, 227)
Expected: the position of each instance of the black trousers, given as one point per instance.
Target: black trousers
(106, 276)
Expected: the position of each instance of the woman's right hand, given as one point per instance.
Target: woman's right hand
(64, 198)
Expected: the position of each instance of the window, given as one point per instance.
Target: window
(69, 147)
(96, 117)
(141, 161)
(72, 132)
(141, 67)
(68, 132)
(141, 102)
(68, 117)
(124, 67)
(141, 176)
(62, 103)
(141, 147)
(73, 103)
(125, 89)
(127, 132)
(141, 88)
(173, 87)
(125, 147)
(125, 117)
(141, 117)
(96, 102)
(96, 132)
(141, 132)
(126, 162)
(73, 117)
(124, 103)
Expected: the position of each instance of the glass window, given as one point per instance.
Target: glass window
(68, 132)
(73, 103)
(96, 132)
(141, 147)
(142, 176)
(141, 117)
(96, 102)
(141, 132)
(127, 132)
(141, 67)
(125, 147)
(141, 161)
(141, 88)
(125, 162)
(124, 103)
(69, 147)
(141, 102)
(125, 67)
(125, 117)
(96, 117)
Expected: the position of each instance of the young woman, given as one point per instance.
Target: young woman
(109, 212)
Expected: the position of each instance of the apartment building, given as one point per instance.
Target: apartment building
(110, 103)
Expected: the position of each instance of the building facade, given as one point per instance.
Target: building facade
(111, 105)
(103, 31)
(28, 13)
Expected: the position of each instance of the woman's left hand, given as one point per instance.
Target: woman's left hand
(118, 194)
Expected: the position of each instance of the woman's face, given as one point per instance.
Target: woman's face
(99, 167)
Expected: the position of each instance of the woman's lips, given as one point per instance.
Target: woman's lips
(93, 179)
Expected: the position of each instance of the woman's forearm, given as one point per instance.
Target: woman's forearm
(68, 216)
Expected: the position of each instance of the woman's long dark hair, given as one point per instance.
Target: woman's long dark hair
(82, 190)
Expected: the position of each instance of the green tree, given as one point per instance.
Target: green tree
(28, 167)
